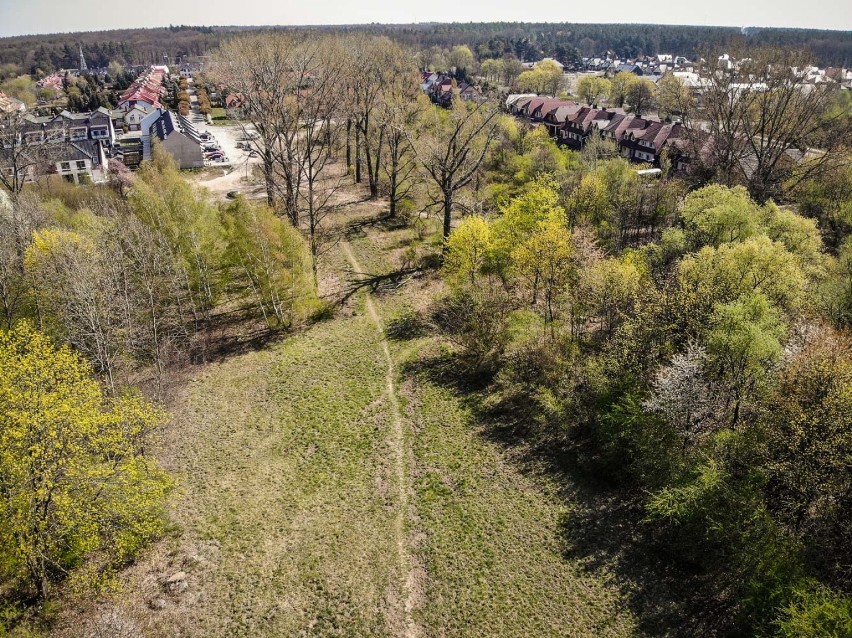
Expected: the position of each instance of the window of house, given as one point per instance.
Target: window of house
(65, 166)
(78, 133)
(81, 164)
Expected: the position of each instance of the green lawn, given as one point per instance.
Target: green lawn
(492, 545)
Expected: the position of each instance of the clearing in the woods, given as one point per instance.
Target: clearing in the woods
(331, 486)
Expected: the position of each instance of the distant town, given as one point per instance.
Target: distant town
(167, 103)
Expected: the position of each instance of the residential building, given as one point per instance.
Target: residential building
(78, 143)
(9, 104)
(178, 137)
(145, 91)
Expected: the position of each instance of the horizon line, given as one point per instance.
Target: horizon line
(419, 23)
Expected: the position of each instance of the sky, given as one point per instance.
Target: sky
(19, 17)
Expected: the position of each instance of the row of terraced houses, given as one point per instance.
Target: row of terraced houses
(639, 139)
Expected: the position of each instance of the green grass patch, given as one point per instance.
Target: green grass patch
(284, 465)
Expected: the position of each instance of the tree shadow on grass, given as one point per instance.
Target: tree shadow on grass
(233, 333)
(604, 529)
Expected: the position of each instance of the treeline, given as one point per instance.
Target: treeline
(689, 350)
(566, 42)
(132, 285)
(102, 289)
(44, 54)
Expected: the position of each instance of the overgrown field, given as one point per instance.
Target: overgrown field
(285, 515)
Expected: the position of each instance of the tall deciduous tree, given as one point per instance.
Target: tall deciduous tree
(451, 149)
(805, 436)
(545, 262)
(591, 89)
(400, 110)
(492, 70)
(763, 119)
(259, 68)
(545, 78)
(620, 87)
(641, 96)
(512, 68)
(78, 305)
(674, 98)
(374, 64)
(272, 255)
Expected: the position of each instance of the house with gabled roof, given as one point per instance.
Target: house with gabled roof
(583, 123)
(635, 69)
(83, 161)
(468, 92)
(513, 98)
(178, 138)
(556, 116)
(77, 144)
(517, 106)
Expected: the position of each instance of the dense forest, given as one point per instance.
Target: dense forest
(528, 41)
(48, 53)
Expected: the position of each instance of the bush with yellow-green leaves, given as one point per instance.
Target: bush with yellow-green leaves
(79, 497)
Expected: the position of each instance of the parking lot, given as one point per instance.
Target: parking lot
(237, 173)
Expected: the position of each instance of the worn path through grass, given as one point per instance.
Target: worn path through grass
(330, 487)
(401, 462)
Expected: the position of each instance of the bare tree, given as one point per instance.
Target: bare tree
(26, 150)
(294, 96)
(144, 276)
(399, 113)
(71, 280)
(512, 68)
(375, 64)
(260, 68)
(765, 124)
(317, 145)
(451, 148)
(18, 221)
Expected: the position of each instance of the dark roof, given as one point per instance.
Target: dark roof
(163, 126)
(85, 149)
(630, 68)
